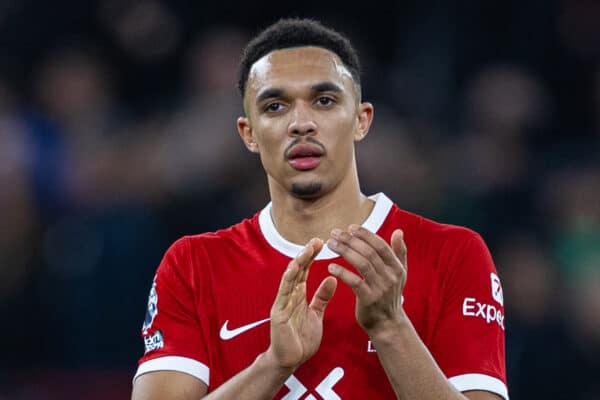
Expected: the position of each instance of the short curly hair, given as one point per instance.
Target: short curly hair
(295, 32)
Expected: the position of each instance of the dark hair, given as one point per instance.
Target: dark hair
(295, 32)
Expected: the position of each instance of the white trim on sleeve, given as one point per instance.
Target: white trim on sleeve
(174, 363)
(479, 382)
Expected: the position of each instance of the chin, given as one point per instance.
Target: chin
(309, 190)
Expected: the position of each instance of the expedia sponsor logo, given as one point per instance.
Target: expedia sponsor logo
(153, 342)
(488, 312)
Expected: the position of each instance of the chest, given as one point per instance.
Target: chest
(238, 301)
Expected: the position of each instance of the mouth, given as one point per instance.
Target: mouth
(305, 156)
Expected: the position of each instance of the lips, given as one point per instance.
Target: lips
(305, 156)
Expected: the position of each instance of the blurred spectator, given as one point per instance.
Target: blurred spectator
(583, 317)
(136, 24)
(504, 106)
(200, 138)
(148, 37)
(73, 94)
(91, 210)
(17, 211)
(202, 162)
(578, 27)
(554, 344)
(393, 160)
(491, 164)
(571, 198)
(532, 294)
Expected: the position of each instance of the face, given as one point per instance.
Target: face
(303, 117)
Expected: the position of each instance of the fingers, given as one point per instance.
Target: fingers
(356, 283)
(355, 251)
(367, 252)
(296, 273)
(377, 243)
(286, 287)
(323, 294)
(306, 256)
(382, 266)
(399, 246)
(305, 259)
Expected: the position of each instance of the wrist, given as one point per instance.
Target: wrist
(390, 330)
(269, 362)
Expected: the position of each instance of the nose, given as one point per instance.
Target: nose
(302, 122)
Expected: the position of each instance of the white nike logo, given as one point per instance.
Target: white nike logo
(227, 334)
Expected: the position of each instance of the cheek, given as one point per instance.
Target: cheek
(271, 148)
(342, 132)
(268, 133)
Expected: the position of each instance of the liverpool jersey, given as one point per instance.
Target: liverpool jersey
(209, 305)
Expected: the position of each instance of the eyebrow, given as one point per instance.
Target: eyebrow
(326, 86)
(320, 87)
(268, 94)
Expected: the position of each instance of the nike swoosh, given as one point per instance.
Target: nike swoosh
(227, 334)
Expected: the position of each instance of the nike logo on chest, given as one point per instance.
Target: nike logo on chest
(227, 333)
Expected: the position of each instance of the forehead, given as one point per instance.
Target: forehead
(296, 68)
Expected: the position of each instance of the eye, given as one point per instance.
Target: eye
(273, 107)
(325, 101)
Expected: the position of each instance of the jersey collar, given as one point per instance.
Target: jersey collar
(378, 215)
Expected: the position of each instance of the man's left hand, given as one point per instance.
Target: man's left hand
(383, 269)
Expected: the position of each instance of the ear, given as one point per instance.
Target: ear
(364, 119)
(245, 131)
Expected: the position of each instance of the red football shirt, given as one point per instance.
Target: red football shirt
(211, 298)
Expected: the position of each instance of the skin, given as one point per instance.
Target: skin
(285, 104)
(335, 120)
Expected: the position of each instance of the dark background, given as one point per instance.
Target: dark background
(117, 136)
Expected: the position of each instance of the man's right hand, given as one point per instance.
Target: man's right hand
(296, 332)
(296, 326)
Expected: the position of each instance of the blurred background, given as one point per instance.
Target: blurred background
(117, 136)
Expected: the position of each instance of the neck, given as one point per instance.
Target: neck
(299, 220)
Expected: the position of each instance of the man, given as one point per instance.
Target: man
(248, 313)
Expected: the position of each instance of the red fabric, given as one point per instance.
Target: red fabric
(233, 275)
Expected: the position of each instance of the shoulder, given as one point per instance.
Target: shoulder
(191, 255)
(241, 232)
(245, 232)
(424, 228)
(444, 247)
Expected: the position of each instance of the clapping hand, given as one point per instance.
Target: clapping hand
(383, 270)
(296, 325)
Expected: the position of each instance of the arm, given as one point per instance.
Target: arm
(261, 380)
(410, 367)
(296, 332)
(412, 371)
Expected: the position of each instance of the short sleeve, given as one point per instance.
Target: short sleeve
(171, 330)
(469, 343)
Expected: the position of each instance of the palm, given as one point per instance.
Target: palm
(297, 335)
(296, 326)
